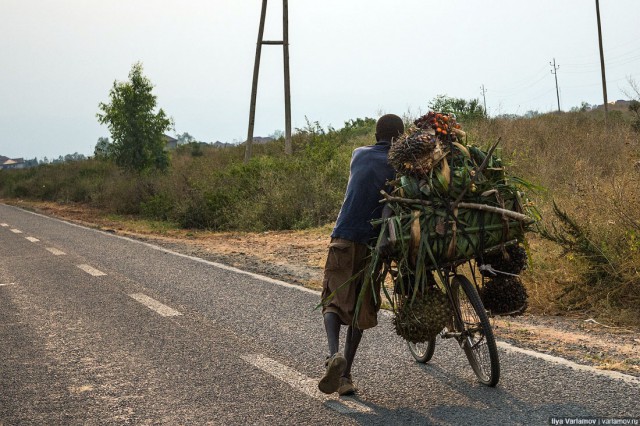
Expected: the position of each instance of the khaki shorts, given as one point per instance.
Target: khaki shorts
(345, 260)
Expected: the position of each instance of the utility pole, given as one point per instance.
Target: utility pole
(256, 70)
(484, 98)
(554, 71)
(288, 150)
(604, 79)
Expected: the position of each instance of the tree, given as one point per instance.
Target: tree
(103, 149)
(634, 105)
(584, 107)
(185, 138)
(462, 108)
(136, 130)
(277, 134)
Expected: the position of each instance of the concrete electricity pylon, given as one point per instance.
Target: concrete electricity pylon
(256, 70)
(554, 71)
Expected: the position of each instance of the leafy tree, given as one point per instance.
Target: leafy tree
(584, 107)
(103, 149)
(74, 157)
(136, 130)
(185, 138)
(196, 149)
(462, 108)
(532, 114)
(277, 134)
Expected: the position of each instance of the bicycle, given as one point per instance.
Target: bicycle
(469, 326)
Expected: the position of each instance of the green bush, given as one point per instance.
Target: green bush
(587, 166)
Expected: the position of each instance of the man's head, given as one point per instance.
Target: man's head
(389, 126)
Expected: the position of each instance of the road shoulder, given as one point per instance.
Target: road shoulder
(298, 257)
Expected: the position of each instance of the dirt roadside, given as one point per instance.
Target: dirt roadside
(298, 257)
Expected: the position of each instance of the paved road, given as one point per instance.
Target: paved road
(100, 329)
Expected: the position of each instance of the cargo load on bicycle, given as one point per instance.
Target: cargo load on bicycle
(451, 202)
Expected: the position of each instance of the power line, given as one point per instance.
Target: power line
(525, 84)
(622, 57)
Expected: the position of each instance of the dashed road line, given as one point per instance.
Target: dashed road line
(7, 284)
(55, 251)
(504, 345)
(304, 384)
(32, 239)
(16, 231)
(154, 305)
(91, 270)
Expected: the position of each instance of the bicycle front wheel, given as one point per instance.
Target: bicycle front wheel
(477, 338)
(422, 351)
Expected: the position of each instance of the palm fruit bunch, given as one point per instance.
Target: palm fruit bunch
(512, 260)
(419, 150)
(504, 295)
(415, 153)
(451, 201)
(420, 319)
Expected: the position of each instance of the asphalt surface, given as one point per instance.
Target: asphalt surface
(100, 329)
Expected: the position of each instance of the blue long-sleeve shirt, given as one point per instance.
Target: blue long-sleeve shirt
(369, 172)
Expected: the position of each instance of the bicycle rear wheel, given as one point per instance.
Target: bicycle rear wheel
(422, 351)
(477, 338)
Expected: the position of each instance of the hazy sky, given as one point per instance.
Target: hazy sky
(349, 59)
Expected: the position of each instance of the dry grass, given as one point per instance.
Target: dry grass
(591, 172)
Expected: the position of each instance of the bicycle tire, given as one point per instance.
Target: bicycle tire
(423, 351)
(477, 341)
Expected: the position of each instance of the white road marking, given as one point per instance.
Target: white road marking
(91, 270)
(154, 305)
(304, 384)
(185, 256)
(504, 345)
(4, 224)
(7, 284)
(32, 239)
(55, 251)
(561, 361)
(216, 264)
(16, 231)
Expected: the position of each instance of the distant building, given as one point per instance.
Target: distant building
(170, 143)
(218, 144)
(261, 140)
(619, 105)
(13, 163)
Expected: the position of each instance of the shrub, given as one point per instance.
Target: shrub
(588, 167)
